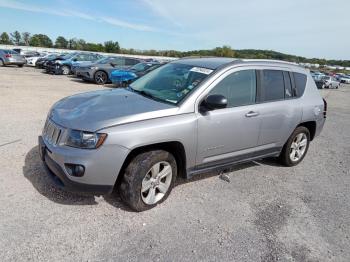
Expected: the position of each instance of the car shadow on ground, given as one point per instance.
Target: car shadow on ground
(82, 81)
(35, 171)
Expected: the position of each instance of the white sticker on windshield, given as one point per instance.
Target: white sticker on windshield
(202, 70)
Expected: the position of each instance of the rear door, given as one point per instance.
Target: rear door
(279, 111)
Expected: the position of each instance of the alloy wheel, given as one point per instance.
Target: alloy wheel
(298, 147)
(100, 77)
(156, 183)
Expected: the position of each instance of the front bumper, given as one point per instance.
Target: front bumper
(102, 167)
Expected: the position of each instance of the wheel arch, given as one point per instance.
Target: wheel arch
(176, 148)
(311, 126)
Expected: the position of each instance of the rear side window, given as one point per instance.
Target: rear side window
(10, 52)
(300, 83)
(239, 88)
(272, 85)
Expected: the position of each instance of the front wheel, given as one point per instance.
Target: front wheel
(148, 179)
(100, 78)
(296, 147)
(65, 70)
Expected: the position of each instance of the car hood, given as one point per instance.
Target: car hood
(100, 109)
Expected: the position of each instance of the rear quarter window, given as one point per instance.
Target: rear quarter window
(300, 83)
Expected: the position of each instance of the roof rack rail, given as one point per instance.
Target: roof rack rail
(270, 60)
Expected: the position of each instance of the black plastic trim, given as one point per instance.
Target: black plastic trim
(225, 163)
(60, 179)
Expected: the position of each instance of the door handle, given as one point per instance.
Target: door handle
(251, 114)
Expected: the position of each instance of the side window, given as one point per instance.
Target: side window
(118, 61)
(80, 57)
(288, 91)
(239, 88)
(131, 62)
(272, 85)
(300, 83)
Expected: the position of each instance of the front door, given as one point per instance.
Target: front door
(226, 135)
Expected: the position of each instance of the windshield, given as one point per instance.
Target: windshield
(171, 83)
(141, 67)
(68, 56)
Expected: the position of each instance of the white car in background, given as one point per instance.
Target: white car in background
(344, 79)
(330, 82)
(31, 61)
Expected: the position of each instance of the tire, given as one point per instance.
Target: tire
(2, 63)
(100, 77)
(139, 176)
(65, 70)
(286, 156)
(20, 65)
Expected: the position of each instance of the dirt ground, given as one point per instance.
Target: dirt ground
(265, 213)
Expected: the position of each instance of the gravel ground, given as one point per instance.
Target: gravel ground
(265, 213)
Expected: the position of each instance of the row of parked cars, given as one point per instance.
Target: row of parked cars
(94, 67)
(119, 70)
(323, 80)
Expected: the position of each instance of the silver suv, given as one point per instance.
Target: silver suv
(187, 117)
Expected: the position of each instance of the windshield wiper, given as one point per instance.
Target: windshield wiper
(142, 92)
(148, 95)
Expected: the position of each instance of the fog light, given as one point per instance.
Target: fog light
(75, 170)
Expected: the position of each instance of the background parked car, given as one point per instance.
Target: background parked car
(10, 57)
(99, 72)
(42, 62)
(330, 82)
(64, 64)
(31, 61)
(126, 76)
(344, 79)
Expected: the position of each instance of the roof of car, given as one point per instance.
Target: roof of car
(216, 62)
(206, 62)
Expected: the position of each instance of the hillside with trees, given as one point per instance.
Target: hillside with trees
(42, 40)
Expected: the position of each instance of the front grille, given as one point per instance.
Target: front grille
(52, 132)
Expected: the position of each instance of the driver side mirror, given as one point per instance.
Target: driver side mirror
(112, 64)
(75, 60)
(213, 102)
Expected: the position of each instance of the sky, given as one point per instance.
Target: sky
(310, 28)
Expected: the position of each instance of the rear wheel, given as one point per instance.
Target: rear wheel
(100, 78)
(148, 179)
(296, 147)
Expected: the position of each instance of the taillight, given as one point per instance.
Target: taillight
(324, 108)
(8, 55)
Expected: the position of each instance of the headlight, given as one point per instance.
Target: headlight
(93, 67)
(86, 140)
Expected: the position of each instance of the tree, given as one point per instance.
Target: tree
(61, 42)
(40, 40)
(5, 39)
(112, 47)
(16, 37)
(94, 47)
(25, 38)
(224, 51)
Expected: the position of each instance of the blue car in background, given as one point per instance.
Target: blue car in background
(122, 77)
(63, 65)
